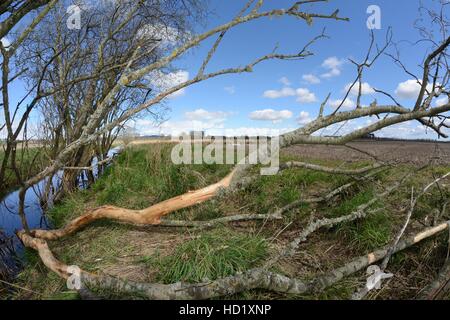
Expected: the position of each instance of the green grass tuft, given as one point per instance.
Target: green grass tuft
(368, 234)
(349, 205)
(70, 207)
(364, 235)
(143, 176)
(212, 255)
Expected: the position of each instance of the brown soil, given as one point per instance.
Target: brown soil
(413, 152)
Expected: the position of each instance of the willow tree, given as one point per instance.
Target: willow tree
(16, 114)
(112, 39)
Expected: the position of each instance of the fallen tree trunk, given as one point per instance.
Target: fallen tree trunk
(148, 216)
(360, 294)
(257, 278)
(152, 215)
(92, 167)
(360, 212)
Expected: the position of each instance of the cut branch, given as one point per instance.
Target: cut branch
(219, 221)
(252, 279)
(315, 167)
(362, 262)
(148, 216)
(361, 212)
(326, 197)
(90, 167)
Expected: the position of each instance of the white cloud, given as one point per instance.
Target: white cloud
(275, 94)
(407, 130)
(165, 81)
(230, 89)
(410, 89)
(304, 118)
(332, 63)
(202, 114)
(305, 96)
(174, 128)
(199, 119)
(248, 131)
(148, 127)
(285, 81)
(334, 67)
(338, 129)
(365, 89)
(271, 115)
(310, 78)
(332, 73)
(347, 105)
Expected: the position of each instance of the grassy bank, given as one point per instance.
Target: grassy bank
(144, 175)
(29, 162)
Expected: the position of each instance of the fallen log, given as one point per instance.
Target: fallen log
(152, 215)
(360, 294)
(361, 212)
(362, 262)
(214, 222)
(256, 278)
(330, 195)
(148, 216)
(92, 167)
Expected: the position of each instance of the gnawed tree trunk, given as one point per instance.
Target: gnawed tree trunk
(152, 215)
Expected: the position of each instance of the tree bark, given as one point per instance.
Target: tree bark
(256, 278)
(149, 216)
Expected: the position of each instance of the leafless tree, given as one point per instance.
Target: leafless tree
(16, 114)
(77, 69)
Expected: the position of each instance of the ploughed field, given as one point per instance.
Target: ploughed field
(412, 152)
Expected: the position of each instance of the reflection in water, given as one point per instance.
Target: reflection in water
(10, 220)
(8, 265)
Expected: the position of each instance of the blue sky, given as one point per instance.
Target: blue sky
(283, 95)
(236, 101)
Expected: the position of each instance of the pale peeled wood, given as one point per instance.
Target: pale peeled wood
(148, 216)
